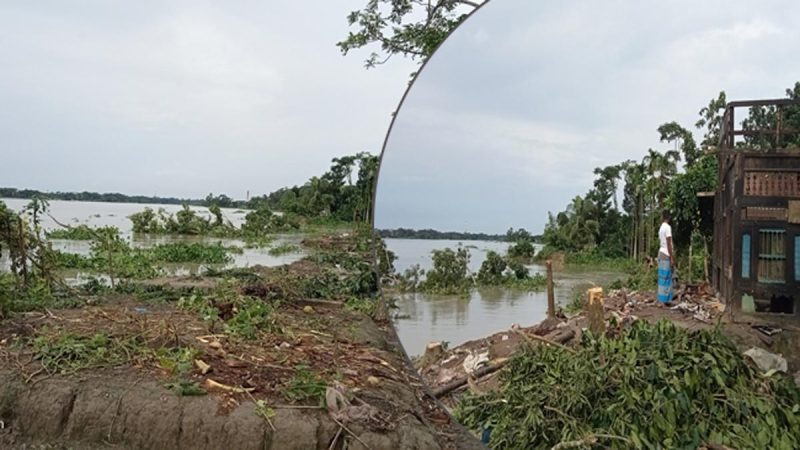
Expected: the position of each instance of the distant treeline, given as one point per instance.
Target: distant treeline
(112, 197)
(407, 233)
(342, 193)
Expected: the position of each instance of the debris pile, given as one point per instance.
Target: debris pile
(448, 371)
(696, 386)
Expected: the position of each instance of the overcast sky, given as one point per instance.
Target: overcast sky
(517, 107)
(181, 98)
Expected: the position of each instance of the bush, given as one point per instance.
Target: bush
(79, 233)
(191, 253)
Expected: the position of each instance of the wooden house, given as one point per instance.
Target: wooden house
(756, 250)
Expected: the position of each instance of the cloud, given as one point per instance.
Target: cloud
(183, 97)
(515, 110)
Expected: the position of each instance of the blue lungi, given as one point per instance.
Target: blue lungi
(664, 278)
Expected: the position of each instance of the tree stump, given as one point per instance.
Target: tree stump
(433, 352)
(595, 310)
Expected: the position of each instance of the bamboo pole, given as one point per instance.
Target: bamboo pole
(551, 297)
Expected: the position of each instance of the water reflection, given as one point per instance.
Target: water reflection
(422, 318)
(418, 251)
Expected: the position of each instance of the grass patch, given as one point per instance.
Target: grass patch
(36, 297)
(588, 260)
(196, 252)
(576, 304)
(259, 241)
(366, 306)
(78, 233)
(283, 248)
(245, 317)
(305, 385)
(177, 361)
(120, 260)
(69, 353)
(535, 282)
(253, 316)
(185, 388)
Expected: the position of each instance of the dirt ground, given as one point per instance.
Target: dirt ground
(324, 375)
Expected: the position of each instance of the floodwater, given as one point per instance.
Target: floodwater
(97, 214)
(423, 318)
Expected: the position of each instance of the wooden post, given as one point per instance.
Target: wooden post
(551, 297)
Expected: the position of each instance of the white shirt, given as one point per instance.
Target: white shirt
(663, 233)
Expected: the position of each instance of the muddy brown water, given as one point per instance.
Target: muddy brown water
(424, 318)
(97, 214)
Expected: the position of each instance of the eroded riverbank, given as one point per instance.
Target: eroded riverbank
(293, 357)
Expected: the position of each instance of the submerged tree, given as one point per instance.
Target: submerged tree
(492, 269)
(521, 244)
(449, 272)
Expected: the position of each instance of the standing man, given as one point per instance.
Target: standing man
(666, 259)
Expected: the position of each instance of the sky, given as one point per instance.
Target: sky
(513, 112)
(183, 98)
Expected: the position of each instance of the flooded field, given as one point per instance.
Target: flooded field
(423, 318)
(97, 214)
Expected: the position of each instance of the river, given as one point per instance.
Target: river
(97, 214)
(423, 318)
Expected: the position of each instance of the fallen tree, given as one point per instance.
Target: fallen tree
(557, 340)
(656, 385)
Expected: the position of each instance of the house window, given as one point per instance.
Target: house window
(746, 255)
(772, 256)
(797, 258)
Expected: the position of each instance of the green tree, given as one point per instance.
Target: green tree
(410, 28)
(764, 121)
(521, 244)
(606, 185)
(683, 139)
(449, 272)
(492, 268)
(682, 199)
(711, 120)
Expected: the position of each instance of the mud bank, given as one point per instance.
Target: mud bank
(115, 410)
(297, 357)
